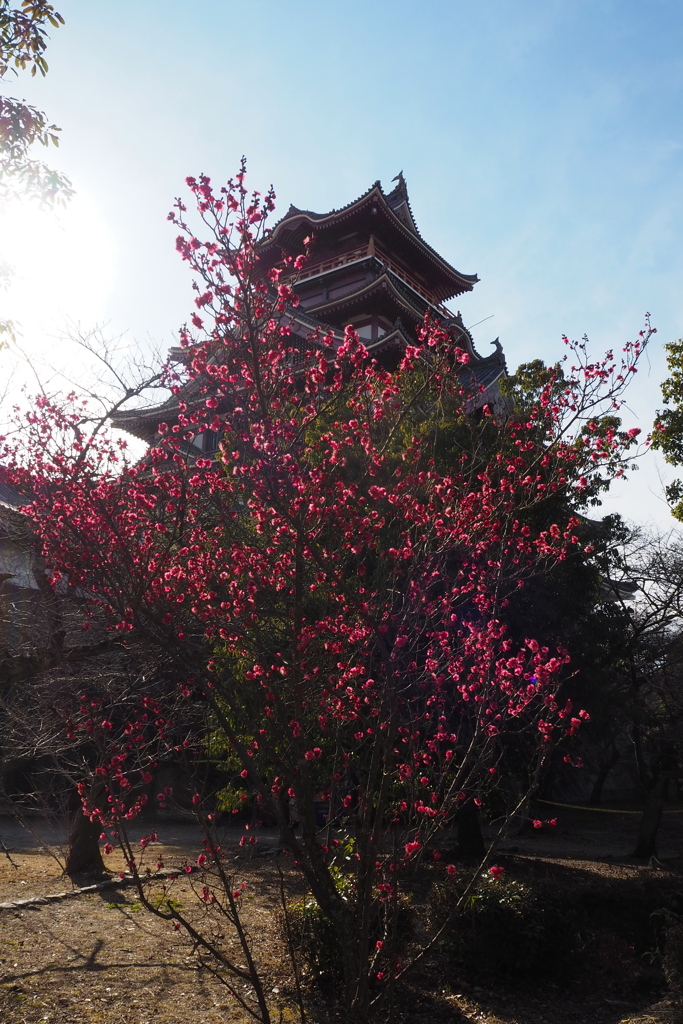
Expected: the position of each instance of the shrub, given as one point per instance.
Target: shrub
(314, 938)
(317, 942)
(668, 927)
(507, 930)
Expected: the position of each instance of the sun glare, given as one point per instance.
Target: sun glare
(56, 266)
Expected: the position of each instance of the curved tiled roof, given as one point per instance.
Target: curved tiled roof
(9, 497)
(392, 202)
(385, 281)
(397, 198)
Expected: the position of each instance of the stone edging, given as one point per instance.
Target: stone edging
(109, 883)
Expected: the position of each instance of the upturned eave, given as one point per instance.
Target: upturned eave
(290, 231)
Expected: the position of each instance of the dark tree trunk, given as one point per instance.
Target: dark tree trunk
(646, 844)
(84, 856)
(470, 840)
(605, 766)
(643, 774)
(52, 615)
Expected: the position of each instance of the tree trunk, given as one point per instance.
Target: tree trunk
(52, 612)
(470, 840)
(84, 856)
(646, 844)
(604, 768)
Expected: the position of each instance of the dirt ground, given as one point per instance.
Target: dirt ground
(101, 958)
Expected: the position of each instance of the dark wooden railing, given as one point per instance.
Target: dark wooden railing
(360, 253)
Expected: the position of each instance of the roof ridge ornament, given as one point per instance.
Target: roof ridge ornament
(499, 348)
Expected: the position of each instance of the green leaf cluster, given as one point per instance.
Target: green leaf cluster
(23, 40)
(668, 427)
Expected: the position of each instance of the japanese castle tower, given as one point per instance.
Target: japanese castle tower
(369, 267)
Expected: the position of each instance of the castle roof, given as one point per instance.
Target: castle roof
(385, 215)
(368, 263)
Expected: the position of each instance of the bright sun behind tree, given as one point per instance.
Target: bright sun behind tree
(55, 266)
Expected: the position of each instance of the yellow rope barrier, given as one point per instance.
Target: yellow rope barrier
(600, 810)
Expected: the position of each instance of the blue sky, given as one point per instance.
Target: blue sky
(541, 142)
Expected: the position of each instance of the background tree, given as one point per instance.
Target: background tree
(646, 695)
(570, 604)
(46, 661)
(667, 434)
(23, 41)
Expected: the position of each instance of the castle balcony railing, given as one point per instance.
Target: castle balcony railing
(362, 253)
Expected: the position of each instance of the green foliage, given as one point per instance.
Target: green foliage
(8, 333)
(229, 799)
(524, 390)
(313, 933)
(130, 908)
(23, 35)
(506, 930)
(315, 938)
(668, 427)
(569, 605)
(524, 386)
(23, 40)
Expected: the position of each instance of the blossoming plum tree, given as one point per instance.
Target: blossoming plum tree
(332, 584)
